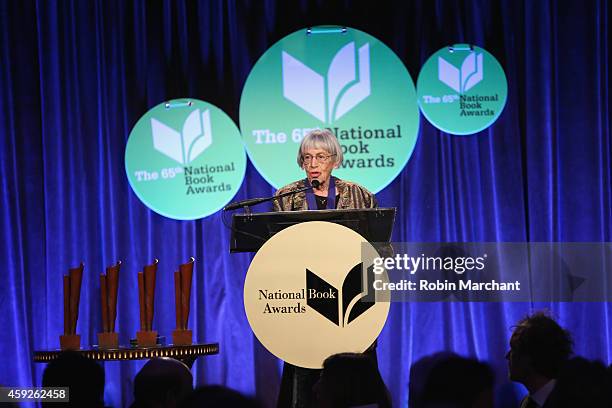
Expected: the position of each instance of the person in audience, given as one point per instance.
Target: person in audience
(447, 380)
(350, 380)
(608, 386)
(419, 373)
(539, 348)
(582, 383)
(162, 383)
(83, 377)
(217, 396)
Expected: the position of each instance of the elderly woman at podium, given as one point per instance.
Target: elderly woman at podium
(319, 154)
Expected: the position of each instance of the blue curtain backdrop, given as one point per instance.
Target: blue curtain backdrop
(77, 75)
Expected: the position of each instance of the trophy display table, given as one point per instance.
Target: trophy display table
(187, 354)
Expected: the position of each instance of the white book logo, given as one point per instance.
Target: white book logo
(328, 98)
(461, 80)
(185, 146)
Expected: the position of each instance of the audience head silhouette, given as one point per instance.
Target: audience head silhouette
(84, 377)
(447, 380)
(539, 348)
(582, 383)
(162, 383)
(350, 380)
(217, 396)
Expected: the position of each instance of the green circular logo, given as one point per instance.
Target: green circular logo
(341, 79)
(462, 89)
(185, 159)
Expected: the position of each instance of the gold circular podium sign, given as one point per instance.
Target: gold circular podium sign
(306, 295)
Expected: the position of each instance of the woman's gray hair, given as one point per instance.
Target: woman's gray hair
(320, 139)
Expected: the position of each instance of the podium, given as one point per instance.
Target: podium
(251, 231)
(306, 291)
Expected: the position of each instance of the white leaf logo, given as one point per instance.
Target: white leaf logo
(348, 83)
(461, 80)
(184, 147)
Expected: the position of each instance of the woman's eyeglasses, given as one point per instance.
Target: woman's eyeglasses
(321, 158)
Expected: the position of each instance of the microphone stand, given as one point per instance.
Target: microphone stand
(254, 201)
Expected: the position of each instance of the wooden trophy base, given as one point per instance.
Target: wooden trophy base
(146, 338)
(70, 342)
(108, 340)
(182, 337)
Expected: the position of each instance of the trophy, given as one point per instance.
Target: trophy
(72, 295)
(146, 336)
(182, 296)
(109, 284)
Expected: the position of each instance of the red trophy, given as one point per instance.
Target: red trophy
(72, 295)
(109, 285)
(146, 336)
(182, 296)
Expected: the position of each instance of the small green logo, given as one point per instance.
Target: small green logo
(185, 159)
(328, 77)
(462, 89)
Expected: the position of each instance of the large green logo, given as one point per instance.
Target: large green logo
(185, 159)
(462, 89)
(341, 79)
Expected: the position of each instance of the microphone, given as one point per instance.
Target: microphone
(254, 201)
(246, 203)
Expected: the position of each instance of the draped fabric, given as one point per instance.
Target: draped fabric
(75, 76)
